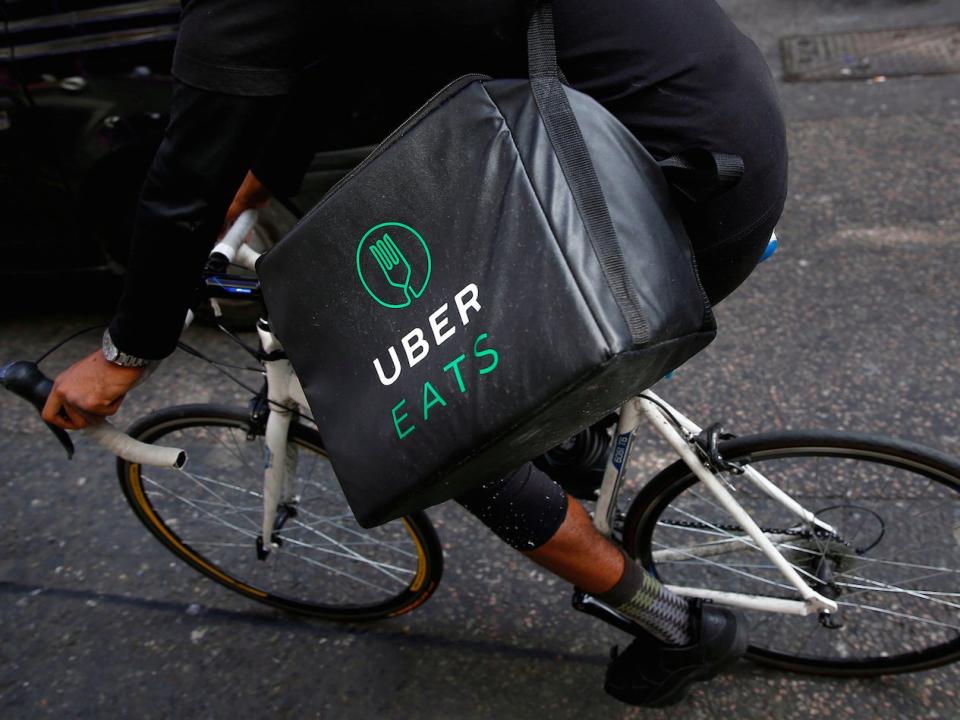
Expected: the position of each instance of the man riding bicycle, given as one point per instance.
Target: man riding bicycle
(678, 74)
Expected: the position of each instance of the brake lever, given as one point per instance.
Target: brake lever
(25, 379)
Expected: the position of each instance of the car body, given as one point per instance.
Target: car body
(83, 99)
(84, 96)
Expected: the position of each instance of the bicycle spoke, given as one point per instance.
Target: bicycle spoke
(337, 571)
(878, 586)
(206, 513)
(216, 495)
(745, 540)
(894, 563)
(905, 616)
(893, 559)
(318, 560)
(365, 541)
(365, 535)
(353, 554)
(722, 566)
(238, 454)
(212, 504)
(229, 486)
(382, 567)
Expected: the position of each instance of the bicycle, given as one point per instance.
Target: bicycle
(826, 560)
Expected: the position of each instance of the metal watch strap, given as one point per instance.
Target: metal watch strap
(112, 353)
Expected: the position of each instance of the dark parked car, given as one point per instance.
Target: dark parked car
(83, 97)
(84, 89)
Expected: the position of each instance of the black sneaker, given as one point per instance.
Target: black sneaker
(653, 674)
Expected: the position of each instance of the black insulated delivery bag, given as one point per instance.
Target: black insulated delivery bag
(501, 272)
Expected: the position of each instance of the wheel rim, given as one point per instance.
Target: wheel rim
(896, 564)
(210, 514)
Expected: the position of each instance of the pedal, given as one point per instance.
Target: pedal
(587, 604)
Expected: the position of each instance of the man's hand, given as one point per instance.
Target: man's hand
(89, 391)
(251, 195)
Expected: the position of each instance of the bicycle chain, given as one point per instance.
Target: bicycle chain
(819, 533)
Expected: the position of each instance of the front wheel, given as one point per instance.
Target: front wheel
(893, 565)
(209, 515)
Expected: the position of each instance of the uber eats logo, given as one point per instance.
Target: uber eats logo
(393, 262)
(394, 267)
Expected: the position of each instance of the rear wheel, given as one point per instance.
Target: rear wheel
(209, 515)
(893, 565)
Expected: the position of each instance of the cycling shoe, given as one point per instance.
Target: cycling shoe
(653, 674)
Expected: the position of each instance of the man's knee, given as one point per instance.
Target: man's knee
(524, 508)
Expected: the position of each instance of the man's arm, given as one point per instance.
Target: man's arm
(210, 143)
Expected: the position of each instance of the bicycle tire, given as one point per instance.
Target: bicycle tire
(165, 516)
(674, 487)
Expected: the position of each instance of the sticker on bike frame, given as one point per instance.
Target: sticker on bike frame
(620, 450)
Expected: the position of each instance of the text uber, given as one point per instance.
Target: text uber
(416, 346)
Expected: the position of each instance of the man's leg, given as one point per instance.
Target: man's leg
(685, 642)
(581, 555)
(532, 513)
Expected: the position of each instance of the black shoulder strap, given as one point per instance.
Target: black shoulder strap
(571, 150)
(702, 174)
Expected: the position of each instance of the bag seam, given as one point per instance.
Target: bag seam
(546, 216)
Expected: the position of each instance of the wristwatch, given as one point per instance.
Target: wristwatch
(112, 353)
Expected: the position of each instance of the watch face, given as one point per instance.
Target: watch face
(107, 347)
(113, 354)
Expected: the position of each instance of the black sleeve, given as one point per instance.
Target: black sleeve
(210, 143)
(290, 145)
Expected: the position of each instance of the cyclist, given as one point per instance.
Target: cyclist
(677, 73)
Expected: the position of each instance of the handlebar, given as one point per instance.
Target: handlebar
(25, 379)
(231, 248)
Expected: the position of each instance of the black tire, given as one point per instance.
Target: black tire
(211, 522)
(880, 539)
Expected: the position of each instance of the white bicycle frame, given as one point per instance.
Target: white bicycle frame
(657, 411)
(287, 401)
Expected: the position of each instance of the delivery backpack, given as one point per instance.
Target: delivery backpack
(501, 272)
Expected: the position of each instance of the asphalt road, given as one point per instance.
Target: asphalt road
(855, 324)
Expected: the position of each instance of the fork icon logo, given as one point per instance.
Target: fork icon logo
(393, 264)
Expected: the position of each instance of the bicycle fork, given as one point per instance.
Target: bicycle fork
(280, 457)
